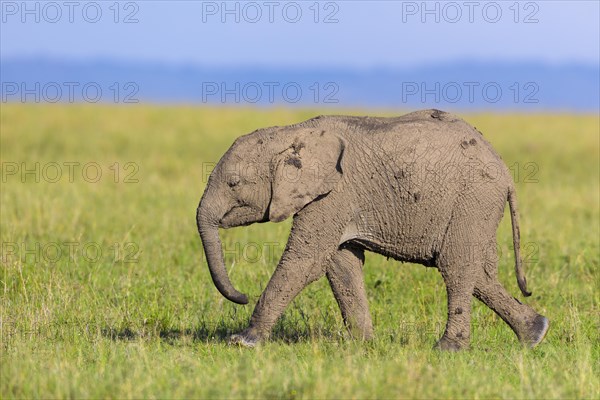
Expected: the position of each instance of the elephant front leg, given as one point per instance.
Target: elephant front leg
(294, 272)
(346, 279)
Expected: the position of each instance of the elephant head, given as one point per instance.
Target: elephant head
(268, 175)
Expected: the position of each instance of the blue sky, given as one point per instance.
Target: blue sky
(358, 34)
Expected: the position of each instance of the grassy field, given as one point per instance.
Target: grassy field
(106, 294)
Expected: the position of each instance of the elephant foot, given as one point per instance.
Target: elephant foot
(246, 338)
(536, 331)
(446, 344)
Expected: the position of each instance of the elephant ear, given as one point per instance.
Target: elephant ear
(310, 167)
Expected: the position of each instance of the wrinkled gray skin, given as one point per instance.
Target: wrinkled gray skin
(425, 187)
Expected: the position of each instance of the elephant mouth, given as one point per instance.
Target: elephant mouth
(241, 216)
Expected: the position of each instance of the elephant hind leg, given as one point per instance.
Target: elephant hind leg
(345, 276)
(460, 260)
(529, 326)
(457, 267)
(459, 289)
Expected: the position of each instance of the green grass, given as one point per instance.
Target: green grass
(102, 326)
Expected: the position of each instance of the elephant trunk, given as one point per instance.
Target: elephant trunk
(208, 228)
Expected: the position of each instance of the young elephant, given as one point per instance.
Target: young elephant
(425, 187)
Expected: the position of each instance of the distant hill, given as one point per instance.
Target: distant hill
(460, 85)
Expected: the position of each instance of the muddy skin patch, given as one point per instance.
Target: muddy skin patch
(295, 161)
(437, 114)
(297, 146)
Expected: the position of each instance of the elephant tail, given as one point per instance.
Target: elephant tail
(514, 220)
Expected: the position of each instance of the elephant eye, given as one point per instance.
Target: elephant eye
(233, 180)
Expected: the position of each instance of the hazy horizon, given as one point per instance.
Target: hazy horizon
(523, 55)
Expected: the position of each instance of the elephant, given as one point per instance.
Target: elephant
(424, 187)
